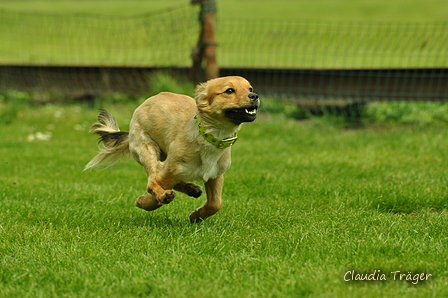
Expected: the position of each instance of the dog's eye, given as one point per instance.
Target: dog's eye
(230, 91)
(251, 89)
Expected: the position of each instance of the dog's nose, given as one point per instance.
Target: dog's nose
(253, 97)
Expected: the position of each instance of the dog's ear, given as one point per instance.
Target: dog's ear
(200, 94)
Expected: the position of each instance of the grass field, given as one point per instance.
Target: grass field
(323, 10)
(304, 203)
(309, 34)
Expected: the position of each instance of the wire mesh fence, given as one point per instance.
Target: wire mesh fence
(332, 45)
(163, 38)
(308, 62)
(338, 66)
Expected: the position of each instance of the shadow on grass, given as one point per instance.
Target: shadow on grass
(409, 207)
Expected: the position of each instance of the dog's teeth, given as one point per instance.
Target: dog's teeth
(251, 112)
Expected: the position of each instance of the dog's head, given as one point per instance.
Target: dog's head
(229, 99)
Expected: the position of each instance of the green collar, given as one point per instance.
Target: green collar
(221, 144)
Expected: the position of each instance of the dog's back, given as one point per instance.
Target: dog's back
(163, 118)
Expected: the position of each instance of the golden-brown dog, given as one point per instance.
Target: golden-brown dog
(178, 139)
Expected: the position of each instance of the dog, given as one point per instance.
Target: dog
(178, 139)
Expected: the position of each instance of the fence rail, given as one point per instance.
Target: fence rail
(298, 85)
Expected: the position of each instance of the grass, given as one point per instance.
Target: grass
(343, 10)
(303, 204)
(307, 34)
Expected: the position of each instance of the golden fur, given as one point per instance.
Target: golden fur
(164, 138)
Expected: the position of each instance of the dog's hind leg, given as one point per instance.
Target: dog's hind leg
(213, 189)
(159, 186)
(148, 202)
(190, 189)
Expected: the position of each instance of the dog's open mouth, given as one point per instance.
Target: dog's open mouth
(245, 114)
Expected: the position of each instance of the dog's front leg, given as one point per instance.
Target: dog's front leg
(160, 186)
(213, 189)
(159, 193)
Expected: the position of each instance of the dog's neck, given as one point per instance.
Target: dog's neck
(217, 134)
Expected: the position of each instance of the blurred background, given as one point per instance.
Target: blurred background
(324, 56)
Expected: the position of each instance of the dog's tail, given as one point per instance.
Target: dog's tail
(115, 142)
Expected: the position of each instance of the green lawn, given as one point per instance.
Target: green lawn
(323, 10)
(281, 33)
(304, 203)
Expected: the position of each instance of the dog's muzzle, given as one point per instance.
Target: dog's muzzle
(246, 113)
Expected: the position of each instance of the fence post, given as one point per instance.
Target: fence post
(206, 46)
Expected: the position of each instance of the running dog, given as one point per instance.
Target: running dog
(178, 139)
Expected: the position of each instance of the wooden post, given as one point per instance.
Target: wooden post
(206, 46)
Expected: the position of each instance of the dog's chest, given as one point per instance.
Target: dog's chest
(212, 163)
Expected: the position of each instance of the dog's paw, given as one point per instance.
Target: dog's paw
(168, 197)
(194, 190)
(195, 217)
(189, 189)
(148, 202)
